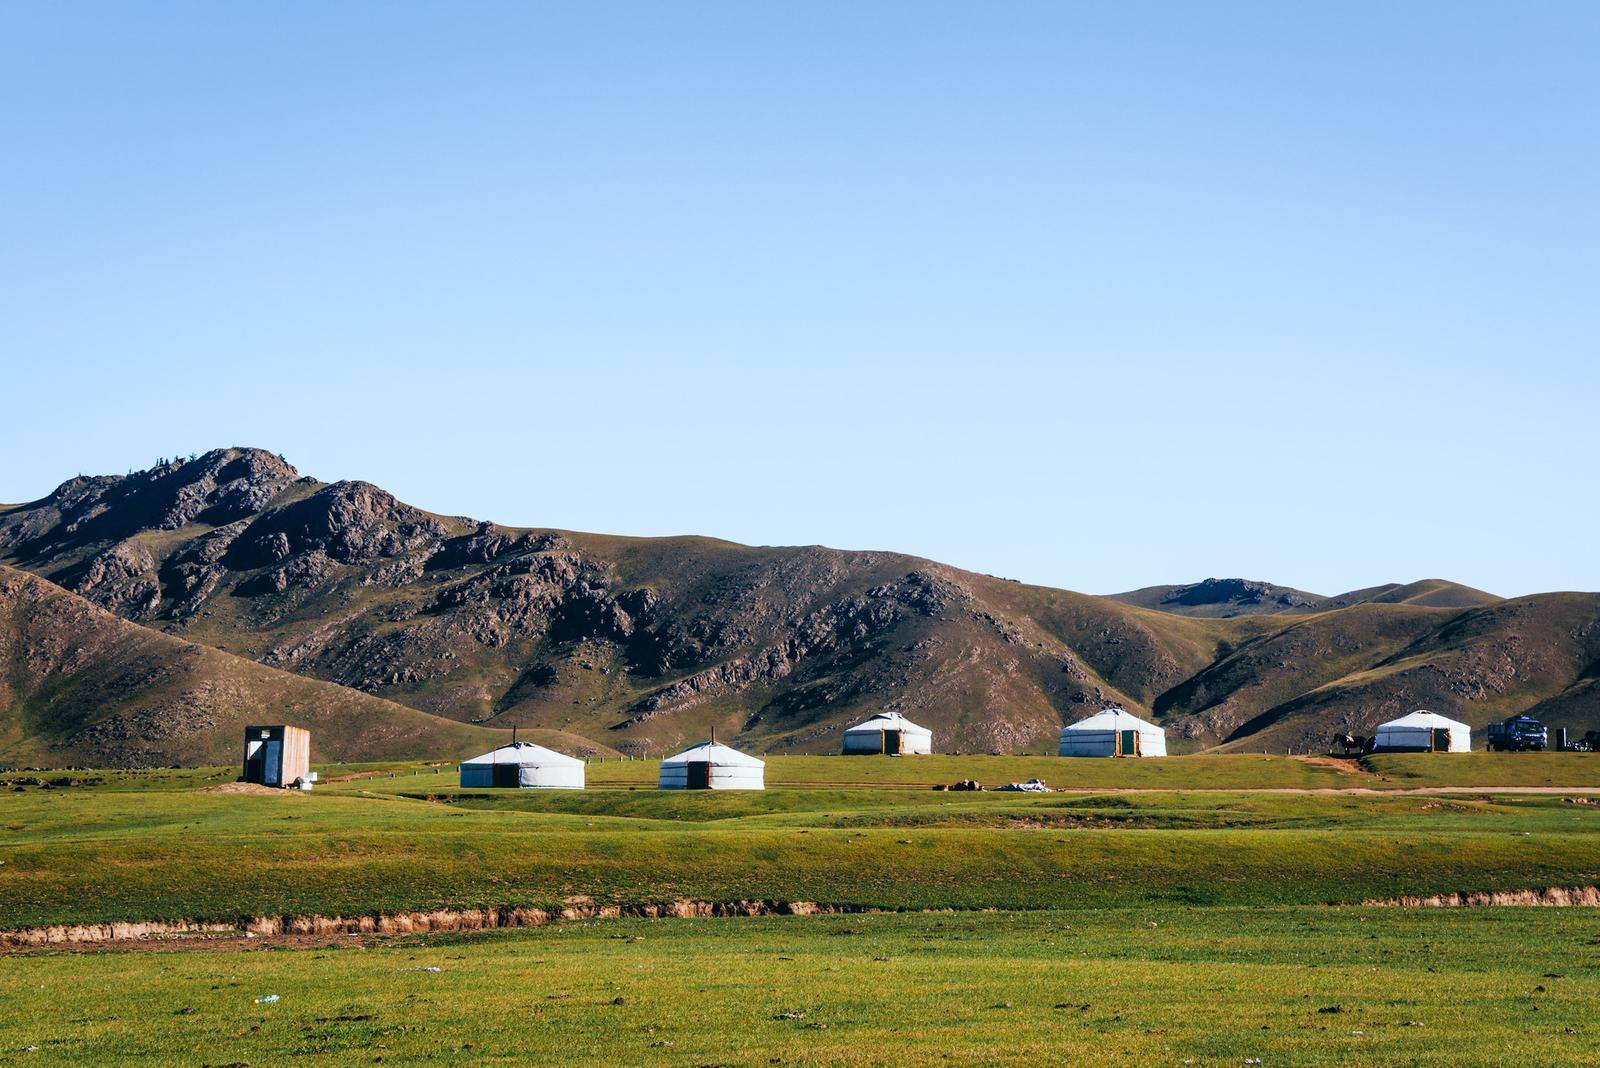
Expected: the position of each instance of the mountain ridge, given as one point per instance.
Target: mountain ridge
(643, 644)
(1227, 598)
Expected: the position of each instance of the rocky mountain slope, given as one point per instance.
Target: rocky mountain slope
(643, 644)
(79, 685)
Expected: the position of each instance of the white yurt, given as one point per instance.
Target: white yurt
(711, 766)
(1422, 732)
(888, 732)
(523, 764)
(1112, 732)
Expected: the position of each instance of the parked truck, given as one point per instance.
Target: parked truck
(1518, 734)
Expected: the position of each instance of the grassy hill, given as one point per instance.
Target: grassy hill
(78, 685)
(1428, 593)
(644, 644)
(1230, 598)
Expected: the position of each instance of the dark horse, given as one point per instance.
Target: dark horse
(1348, 742)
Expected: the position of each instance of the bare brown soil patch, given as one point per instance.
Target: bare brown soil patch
(1550, 897)
(1342, 765)
(245, 788)
(314, 930)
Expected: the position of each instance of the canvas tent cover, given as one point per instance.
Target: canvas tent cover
(1113, 732)
(523, 764)
(712, 766)
(878, 734)
(1423, 732)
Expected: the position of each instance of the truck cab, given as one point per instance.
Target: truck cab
(1518, 734)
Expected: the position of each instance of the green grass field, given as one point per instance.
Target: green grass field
(148, 846)
(1202, 908)
(1176, 986)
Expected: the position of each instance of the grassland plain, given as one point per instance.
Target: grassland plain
(1167, 985)
(148, 846)
(1177, 912)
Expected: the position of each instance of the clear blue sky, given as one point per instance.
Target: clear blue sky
(1091, 295)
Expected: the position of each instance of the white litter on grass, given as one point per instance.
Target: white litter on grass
(431, 968)
(1252, 1060)
(267, 999)
(1032, 786)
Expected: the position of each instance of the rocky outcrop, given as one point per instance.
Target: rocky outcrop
(351, 522)
(488, 544)
(541, 592)
(123, 580)
(305, 571)
(1238, 594)
(1224, 598)
(215, 489)
(848, 623)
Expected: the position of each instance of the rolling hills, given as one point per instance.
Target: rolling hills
(641, 644)
(1229, 598)
(80, 686)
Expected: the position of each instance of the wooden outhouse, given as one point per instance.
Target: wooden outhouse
(276, 756)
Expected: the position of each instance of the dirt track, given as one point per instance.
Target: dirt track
(1360, 791)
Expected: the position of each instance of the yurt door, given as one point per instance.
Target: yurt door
(699, 774)
(507, 775)
(1128, 743)
(1441, 739)
(891, 741)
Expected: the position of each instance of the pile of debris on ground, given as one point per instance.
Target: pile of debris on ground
(1032, 786)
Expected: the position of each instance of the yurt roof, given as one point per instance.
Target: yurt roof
(715, 753)
(1422, 718)
(524, 753)
(888, 721)
(1111, 719)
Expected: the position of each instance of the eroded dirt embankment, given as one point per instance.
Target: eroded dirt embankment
(323, 927)
(404, 922)
(1550, 897)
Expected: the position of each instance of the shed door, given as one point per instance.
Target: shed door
(271, 753)
(1441, 739)
(254, 766)
(1128, 743)
(507, 775)
(699, 775)
(891, 741)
